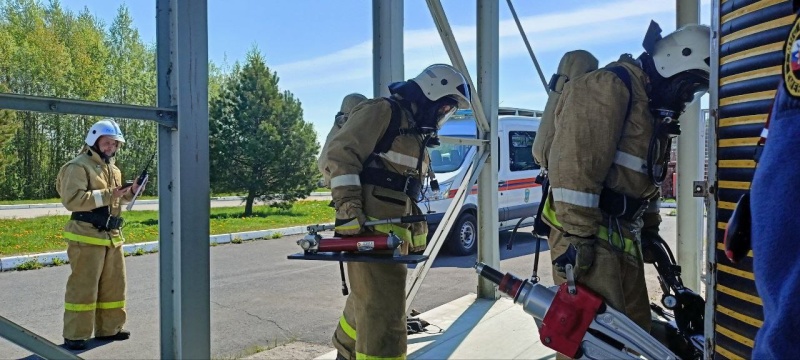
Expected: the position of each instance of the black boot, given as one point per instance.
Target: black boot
(121, 335)
(75, 344)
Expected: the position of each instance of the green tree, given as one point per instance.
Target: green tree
(8, 124)
(132, 67)
(260, 146)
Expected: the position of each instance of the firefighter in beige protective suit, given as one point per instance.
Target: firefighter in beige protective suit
(90, 186)
(607, 158)
(377, 162)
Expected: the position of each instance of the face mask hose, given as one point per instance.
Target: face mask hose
(666, 128)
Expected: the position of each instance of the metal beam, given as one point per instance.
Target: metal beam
(188, 184)
(434, 246)
(43, 104)
(711, 199)
(387, 44)
(690, 169)
(164, 33)
(450, 44)
(488, 36)
(30, 341)
(462, 141)
(528, 46)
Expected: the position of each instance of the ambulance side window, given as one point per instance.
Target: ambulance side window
(519, 150)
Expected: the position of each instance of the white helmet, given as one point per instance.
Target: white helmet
(688, 48)
(105, 127)
(440, 80)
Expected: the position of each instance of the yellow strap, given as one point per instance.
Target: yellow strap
(80, 307)
(402, 233)
(626, 244)
(352, 225)
(550, 214)
(420, 240)
(88, 239)
(117, 240)
(347, 328)
(111, 305)
(360, 356)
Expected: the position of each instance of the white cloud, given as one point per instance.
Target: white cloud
(589, 25)
(322, 81)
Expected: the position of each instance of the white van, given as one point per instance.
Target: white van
(519, 195)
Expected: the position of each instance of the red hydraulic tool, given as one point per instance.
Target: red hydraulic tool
(576, 322)
(383, 248)
(315, 243)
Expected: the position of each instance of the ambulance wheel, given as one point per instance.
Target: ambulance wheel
(463, 239)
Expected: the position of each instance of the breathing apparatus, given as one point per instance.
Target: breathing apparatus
(678, 69)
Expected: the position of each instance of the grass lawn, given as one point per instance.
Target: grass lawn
(44, 234)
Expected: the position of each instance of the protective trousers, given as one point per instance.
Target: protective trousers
(95, 296)
(616, 276)
(373, 325)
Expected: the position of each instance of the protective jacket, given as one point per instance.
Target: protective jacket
(597, 168)
(86, 183)
(95, 294)
(595, 148)
(373, 323)
(354, 170)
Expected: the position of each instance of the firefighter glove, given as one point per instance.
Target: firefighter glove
(580, 254)
(349, 218)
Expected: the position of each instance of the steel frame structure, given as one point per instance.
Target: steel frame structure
(182, 115)
(183, 169)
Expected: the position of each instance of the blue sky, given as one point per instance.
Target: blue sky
(322, 49)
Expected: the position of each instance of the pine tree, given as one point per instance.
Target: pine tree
(260, 145)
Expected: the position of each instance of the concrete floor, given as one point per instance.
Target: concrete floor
(476, 329)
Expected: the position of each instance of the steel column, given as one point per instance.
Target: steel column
(165, 77)
(488, 36)
(387, 44)
(186, 186)
(691, 157)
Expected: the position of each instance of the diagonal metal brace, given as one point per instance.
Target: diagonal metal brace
(30, 341)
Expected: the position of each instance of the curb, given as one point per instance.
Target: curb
(148, 201)
(13, 262)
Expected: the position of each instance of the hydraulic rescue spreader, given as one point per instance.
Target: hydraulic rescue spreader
(576, 322)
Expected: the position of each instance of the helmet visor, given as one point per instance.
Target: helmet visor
(444, 114)
(447, 106)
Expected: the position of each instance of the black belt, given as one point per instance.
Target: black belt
(408, 185)
(100, 221)
(622, 206)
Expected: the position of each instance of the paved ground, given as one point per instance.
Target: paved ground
(259, 298)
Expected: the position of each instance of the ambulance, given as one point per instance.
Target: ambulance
(519, 195)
